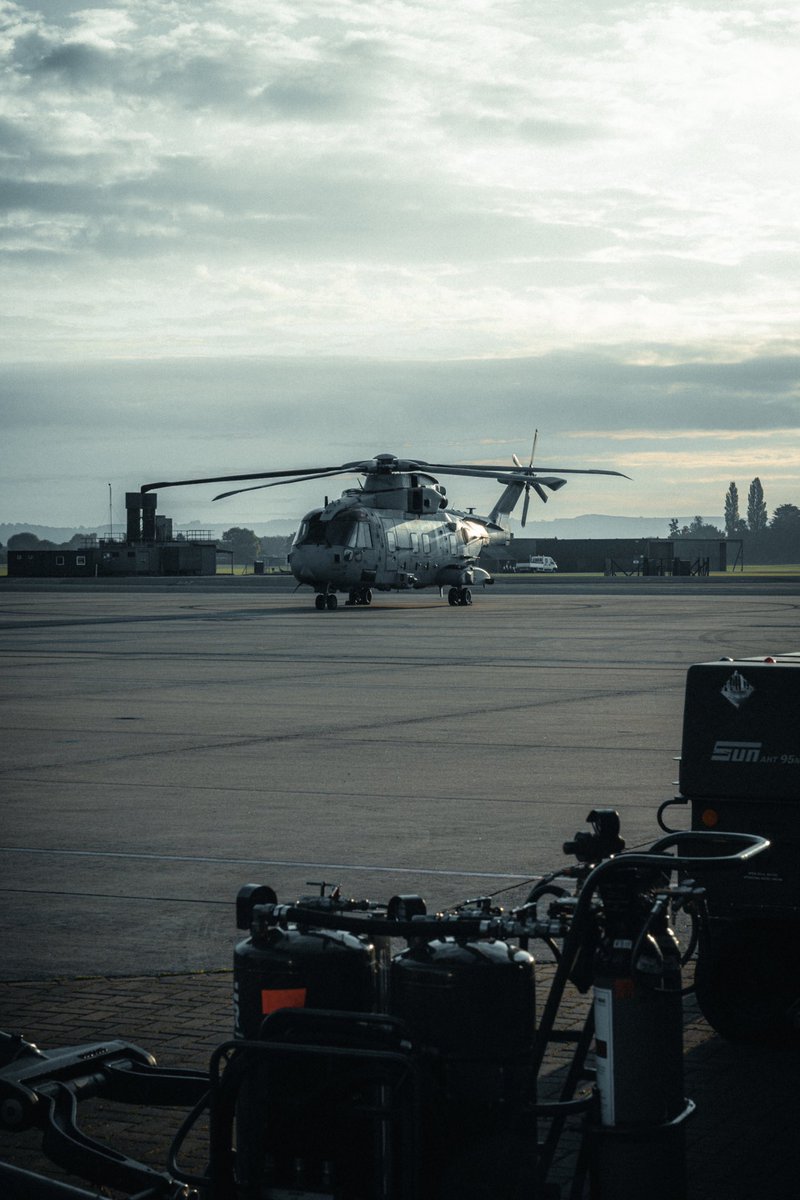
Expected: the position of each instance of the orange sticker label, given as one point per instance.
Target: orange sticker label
(275, 998)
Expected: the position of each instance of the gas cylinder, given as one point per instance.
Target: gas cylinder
(639, 1034)
(287, 1096)
(637, 1148)
(300, 968)
(470, 1009)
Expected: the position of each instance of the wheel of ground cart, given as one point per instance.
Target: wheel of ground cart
(319, 600)
(747, 981)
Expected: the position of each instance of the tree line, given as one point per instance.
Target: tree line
(765, 539)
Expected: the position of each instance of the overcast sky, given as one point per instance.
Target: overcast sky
(241, 236)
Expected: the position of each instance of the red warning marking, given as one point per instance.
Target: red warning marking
(275, 998)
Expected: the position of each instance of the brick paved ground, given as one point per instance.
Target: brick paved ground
(743, 1142)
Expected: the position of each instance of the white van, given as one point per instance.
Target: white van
(538, 562)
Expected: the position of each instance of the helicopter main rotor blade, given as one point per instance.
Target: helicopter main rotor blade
(506, 474)
(309, 472)
(277, 482)
(384, 464)
(504, 469)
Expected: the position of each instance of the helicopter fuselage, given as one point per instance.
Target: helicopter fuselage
(389, 538)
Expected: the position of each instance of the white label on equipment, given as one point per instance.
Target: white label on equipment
(604, 1052)
(736, 752)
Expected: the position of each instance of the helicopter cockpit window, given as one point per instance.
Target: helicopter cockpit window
(342, 530)
(311, 531)
(345, 529)
(363, 536)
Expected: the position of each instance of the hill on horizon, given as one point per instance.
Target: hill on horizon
(590, 525)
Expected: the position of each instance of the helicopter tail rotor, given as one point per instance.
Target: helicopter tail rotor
(539, 490)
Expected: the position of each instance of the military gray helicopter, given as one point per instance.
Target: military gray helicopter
(395, 532)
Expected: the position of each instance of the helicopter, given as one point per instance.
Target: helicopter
(395, 531)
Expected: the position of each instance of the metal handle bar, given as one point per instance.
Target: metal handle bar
(751, 845)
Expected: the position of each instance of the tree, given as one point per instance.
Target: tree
(25, 541)
(783, 534)
(785, 516)
(242, 542)
(732, 510)
(756, 507)
(697, 529)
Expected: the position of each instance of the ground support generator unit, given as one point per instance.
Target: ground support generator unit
(740, 771)
(381, 1052)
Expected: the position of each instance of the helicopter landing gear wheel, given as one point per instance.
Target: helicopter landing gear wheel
(459, 595)
(360, 596)
(319, 600)
(331, 601)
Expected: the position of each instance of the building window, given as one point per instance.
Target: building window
(59, 560)
(80, 560)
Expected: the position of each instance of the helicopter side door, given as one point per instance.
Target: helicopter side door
(364, 548)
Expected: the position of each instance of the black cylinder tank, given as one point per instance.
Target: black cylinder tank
(293, 968)
(470, 1009)
(285, 1097)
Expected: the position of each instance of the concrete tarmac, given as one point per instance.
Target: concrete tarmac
(166, 741)
(164, 744)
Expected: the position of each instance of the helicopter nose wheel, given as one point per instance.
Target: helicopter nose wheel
(459, 596)
(326, 600)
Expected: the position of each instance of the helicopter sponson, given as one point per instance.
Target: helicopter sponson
(395, 532)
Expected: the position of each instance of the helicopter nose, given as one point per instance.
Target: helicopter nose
(298, 561)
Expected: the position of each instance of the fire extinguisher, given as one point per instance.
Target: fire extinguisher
(637, 1143)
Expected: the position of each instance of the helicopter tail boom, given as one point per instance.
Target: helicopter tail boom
(507, 503)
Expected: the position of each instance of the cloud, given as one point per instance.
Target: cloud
(70, 429)
(560, 393)
(465, 220)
